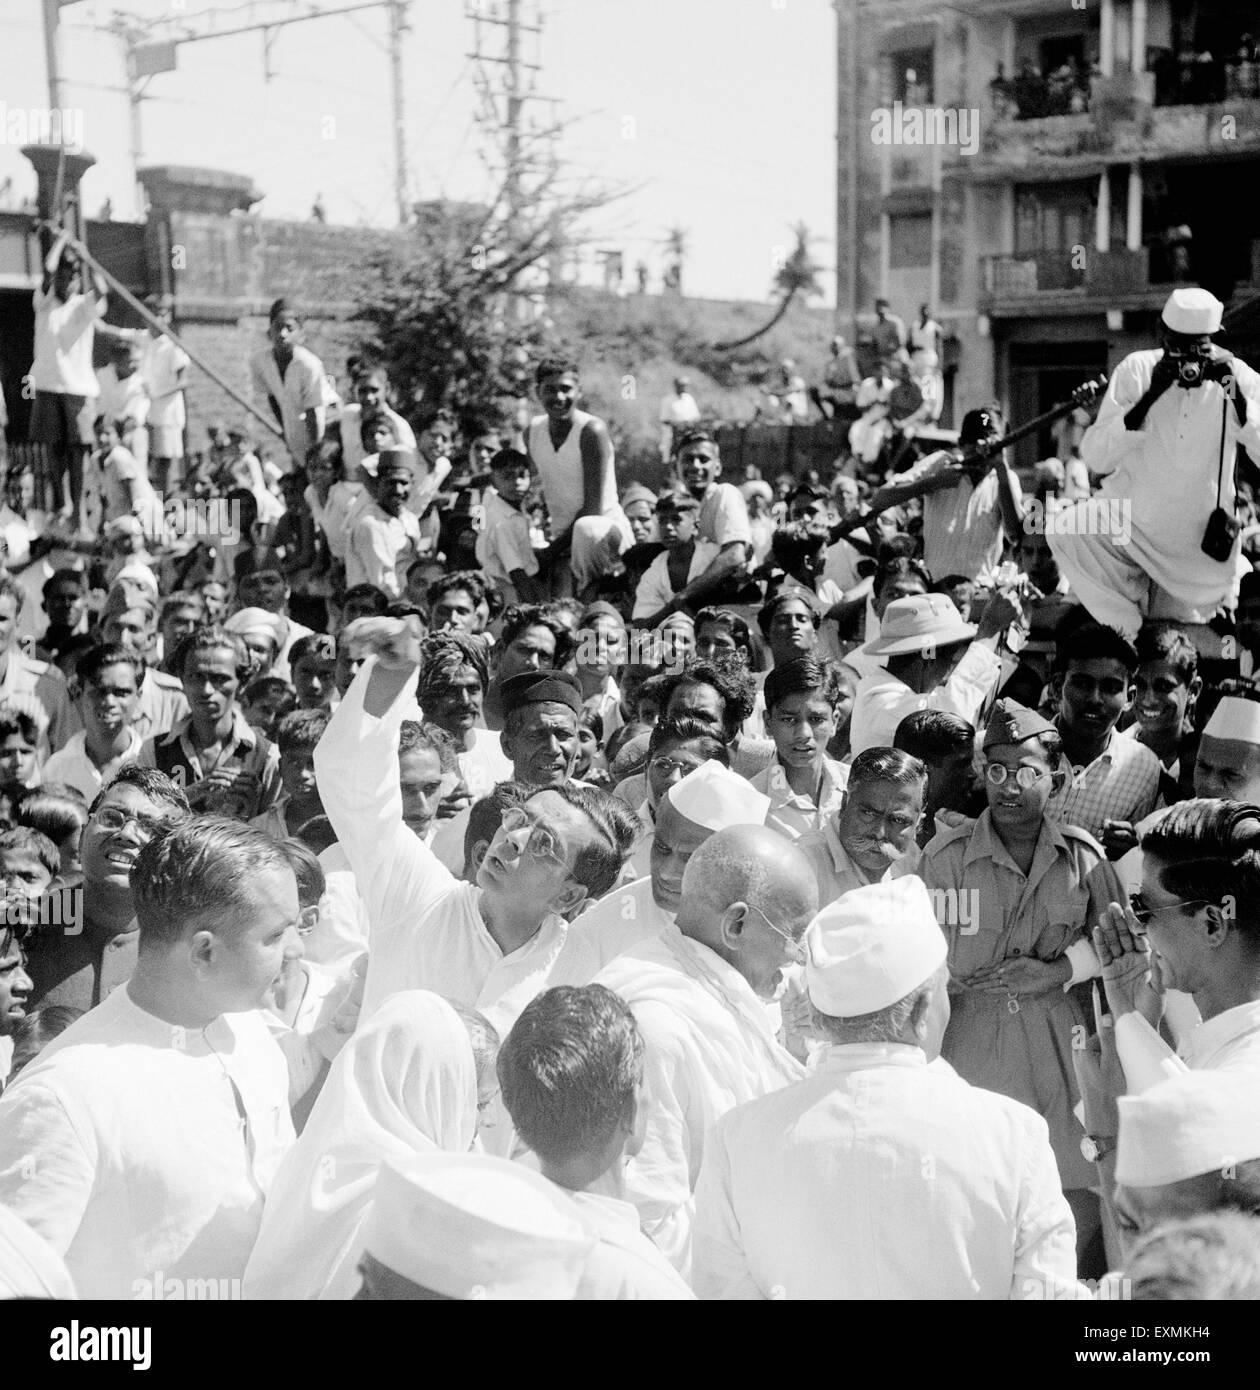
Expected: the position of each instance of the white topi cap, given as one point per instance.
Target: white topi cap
(1193, 311)
(1196, 1123)
(871, 947)
(472, 1226)
(1235, 718)
(715, 798)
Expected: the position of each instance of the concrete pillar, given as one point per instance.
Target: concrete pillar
(1138, 41)
(1133, 227)
(1107, 37)
(1102, 220)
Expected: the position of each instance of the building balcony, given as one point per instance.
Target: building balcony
(1122, 125)
(1067, 282)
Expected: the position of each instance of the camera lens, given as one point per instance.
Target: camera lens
(1190, 372)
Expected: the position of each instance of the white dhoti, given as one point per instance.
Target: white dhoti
(1109, 579)
(597, 545)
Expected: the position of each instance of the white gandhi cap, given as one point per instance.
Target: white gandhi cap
(715, 798)
(472, 1226)
(1235, 719)
(871, 947)
(1198, 1122)
(1193, 311)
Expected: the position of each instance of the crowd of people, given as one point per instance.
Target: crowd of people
(460, 876)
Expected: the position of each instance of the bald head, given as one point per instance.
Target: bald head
(745, 891)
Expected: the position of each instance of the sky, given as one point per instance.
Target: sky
(717, 115)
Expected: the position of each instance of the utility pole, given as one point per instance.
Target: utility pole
(397, 28)
(504, 105)
(151, 48)
(514, 107)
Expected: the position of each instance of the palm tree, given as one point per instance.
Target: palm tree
(798, 275)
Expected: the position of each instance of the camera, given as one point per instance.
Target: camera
(1191, 365)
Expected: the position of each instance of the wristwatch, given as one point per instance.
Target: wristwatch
(1096, 1147)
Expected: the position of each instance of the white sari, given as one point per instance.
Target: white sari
(404, 1084)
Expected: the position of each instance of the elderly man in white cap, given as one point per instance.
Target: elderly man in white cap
(709, 799)
(883, 1174)
(698, 991)
(1165, 439)
(1188, 1145)
(470, 1226)
(935, 661)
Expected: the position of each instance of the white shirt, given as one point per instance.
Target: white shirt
(624, 1263)
(426, 927)
(879, 1177)
(301, 389)
(64, 332)
(655, 590)
(621, 919)
(503, 544)
(709, 1047)
(72, 765)
(485, 764)
(351, 429)
(123, 1145)
(381, 549)
(883, 700)
(161, 362)
(1229, 1040)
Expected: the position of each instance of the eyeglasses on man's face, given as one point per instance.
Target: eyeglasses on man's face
(542, 843)
(114, 819)
(796, 948)
(1025, 777)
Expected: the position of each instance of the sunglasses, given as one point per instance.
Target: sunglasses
(1143, 912)
(1025, 777)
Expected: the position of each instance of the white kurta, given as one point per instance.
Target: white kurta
(879, 1177)
(426, 926)
(624, 1265)
(1165, 476)
(123, 1145)
(709, 1047)
(620, 920)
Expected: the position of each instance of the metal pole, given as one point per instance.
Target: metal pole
(854, 72)
(397, 26)
(514, 108)
(52, 19)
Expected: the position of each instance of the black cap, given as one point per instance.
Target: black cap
(540, 688)
(977, 425)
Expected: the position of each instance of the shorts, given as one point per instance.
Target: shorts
(60, 420)
(166, 441)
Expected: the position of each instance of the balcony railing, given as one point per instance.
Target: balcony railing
(1112, 275)
(1022, 276)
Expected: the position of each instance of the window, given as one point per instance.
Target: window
(909, 240)
(912, 73)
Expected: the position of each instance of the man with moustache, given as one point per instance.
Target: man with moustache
(159, 1118)
(698, 990)
(451, 693)
(872, 838)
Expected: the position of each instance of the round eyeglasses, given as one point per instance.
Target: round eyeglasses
(1025, 777)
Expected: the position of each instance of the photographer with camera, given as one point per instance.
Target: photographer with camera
(1165, 440)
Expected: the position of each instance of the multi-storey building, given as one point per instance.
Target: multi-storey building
(1073, 161)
